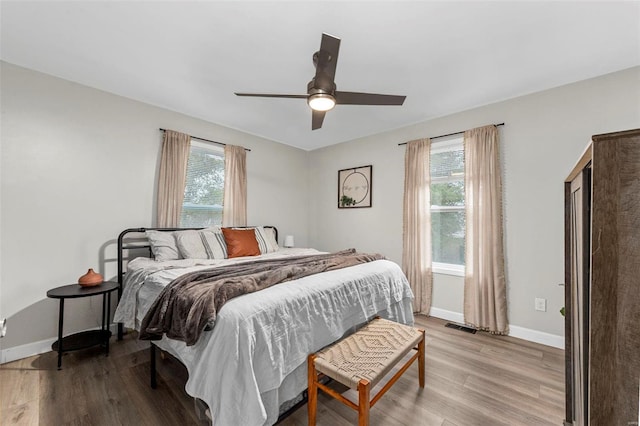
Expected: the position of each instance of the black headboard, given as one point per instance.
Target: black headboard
(142, 243)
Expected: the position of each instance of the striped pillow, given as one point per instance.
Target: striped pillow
(214, 243)
(266, 240)
(203, 244)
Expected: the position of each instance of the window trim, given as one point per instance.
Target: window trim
(447, 145)
(448, 269)
(208, 146)
(439, 209)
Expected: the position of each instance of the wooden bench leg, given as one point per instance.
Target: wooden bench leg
(364, 402)
(312, 403)
(421, 355)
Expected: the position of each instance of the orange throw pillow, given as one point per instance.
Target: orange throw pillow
(241, 242)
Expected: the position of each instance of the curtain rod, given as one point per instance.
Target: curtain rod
(205, 140)
(449, 134)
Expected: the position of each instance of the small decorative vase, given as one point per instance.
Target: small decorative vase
(90, 279)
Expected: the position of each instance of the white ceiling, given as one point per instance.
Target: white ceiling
(444, 56)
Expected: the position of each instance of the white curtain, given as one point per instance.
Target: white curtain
(234, 206)
(172, 178)
(416, 232)
(485, 294)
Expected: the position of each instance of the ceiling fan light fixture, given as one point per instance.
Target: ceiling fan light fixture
(321, 102)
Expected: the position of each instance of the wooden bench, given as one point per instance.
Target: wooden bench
(361, 360)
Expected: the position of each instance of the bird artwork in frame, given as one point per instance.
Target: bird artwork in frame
(354, 187)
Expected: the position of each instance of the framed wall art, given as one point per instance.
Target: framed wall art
(354, 187)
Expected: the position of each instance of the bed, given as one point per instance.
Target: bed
(252, 363)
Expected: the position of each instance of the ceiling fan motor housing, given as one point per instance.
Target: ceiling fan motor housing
(321, 84)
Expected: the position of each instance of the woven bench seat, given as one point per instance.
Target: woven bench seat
(361, 360)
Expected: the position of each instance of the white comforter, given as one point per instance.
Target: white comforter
(254, 359)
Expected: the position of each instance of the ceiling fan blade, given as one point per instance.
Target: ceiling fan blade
(271, 95)
(327, 57)
(357, 98)
(317, 119)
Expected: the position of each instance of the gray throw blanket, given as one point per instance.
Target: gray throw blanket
(189, 304)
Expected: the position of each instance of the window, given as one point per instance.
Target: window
(447, 206)
(204, 188)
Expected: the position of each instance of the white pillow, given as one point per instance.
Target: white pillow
(163, 245)
(190, 245)
(266, 239)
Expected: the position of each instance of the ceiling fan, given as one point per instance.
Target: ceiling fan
(321, 90)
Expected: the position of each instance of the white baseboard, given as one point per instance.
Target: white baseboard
(514, 331)
(447, 315)
(537, 336)
(35, 348)
(27, 350)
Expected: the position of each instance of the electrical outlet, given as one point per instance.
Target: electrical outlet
(3, 327)
(541, 304)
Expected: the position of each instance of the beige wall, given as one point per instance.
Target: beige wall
(543, 137)
(77, 167)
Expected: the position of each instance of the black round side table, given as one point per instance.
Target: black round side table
(84, 339)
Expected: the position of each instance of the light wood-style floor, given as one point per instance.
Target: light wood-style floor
(470, 380)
